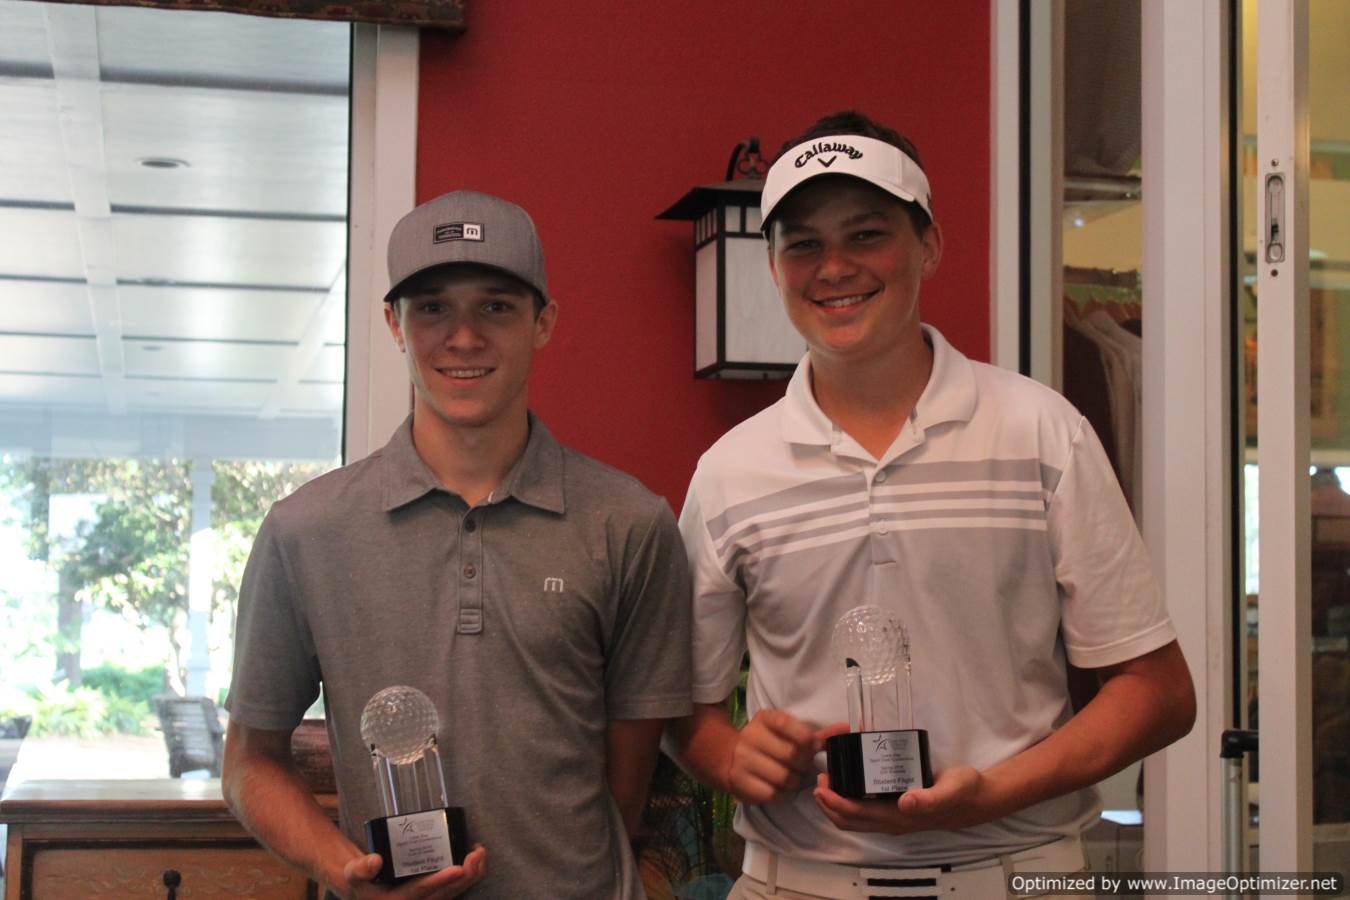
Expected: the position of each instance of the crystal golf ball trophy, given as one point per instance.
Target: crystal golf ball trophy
(879, 758)
(420, 831)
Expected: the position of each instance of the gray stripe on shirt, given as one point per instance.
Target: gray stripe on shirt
(1012, 470)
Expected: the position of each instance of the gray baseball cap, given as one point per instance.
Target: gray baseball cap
(466, 227)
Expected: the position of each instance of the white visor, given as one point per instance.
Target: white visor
(876, 162)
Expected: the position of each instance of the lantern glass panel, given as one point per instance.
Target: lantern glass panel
(757, 328)
(705, 306)
(731, 219)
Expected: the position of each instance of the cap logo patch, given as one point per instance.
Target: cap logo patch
(457, 231)
(816, 151)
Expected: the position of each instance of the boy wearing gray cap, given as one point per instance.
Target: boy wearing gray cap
(539, 598)
(970, 503)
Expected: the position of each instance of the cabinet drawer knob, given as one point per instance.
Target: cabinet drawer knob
(171, 881)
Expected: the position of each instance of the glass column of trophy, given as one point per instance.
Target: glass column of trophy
(420, 831)
(879, 758)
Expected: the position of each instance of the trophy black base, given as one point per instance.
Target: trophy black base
(878, 765)
(416, 844)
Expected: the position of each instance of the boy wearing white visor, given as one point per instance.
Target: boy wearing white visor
(974, 505)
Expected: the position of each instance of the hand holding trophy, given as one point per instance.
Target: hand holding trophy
(420, 831)
(877, 759)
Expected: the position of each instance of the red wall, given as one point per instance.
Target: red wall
(595, 116)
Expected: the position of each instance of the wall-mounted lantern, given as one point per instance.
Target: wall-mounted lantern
(740, 328)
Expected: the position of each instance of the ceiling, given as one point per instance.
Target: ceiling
(173, 203)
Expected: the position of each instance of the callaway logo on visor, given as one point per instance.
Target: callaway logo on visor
(815, 151)
(457, 231)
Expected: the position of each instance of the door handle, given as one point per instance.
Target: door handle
(1275, 218)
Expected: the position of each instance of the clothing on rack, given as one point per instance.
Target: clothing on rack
(1103, 367)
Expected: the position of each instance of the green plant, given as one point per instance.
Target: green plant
(688, 840)
(138, 685)
(85, 712)
(69, 713)
(122, 715)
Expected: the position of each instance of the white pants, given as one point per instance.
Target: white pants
(770, 875)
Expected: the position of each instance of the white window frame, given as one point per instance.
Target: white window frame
(383, 188)
(1045, 163)
(1187, 427)
(1283, 441)
(1005, 250)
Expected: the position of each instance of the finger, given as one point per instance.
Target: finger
(476, 862)
(841, 812)
(826, 798)
(363, 868)
(754, 789)
(448, 882)
(766, 744)
(860, 815)
(780, 775)
(950, 787)
(830, 731)
(788, 727)
(917, 801)
(835, 819)
(799, 757)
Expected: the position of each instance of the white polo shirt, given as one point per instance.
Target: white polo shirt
(993, 527)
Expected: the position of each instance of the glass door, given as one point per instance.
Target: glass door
(1294, 296)
(173, 285)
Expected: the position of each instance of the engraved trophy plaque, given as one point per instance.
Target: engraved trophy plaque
(878, 759)
(420, 831)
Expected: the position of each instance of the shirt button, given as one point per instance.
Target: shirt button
(880, 528)
(881, 476)
(470, 525)
(470, 571)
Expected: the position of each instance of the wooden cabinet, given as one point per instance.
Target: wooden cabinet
(137, 839)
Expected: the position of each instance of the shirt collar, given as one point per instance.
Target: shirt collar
(949, 396)
(536, 478)
(950, 393)
(803, 420)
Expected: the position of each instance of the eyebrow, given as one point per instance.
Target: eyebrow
(792, 226)
(864, 217)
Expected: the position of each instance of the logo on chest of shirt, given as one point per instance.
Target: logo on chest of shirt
(553, 585)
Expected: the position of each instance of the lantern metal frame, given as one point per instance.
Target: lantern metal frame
(723, 213)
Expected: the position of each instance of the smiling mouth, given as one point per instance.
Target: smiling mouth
(844, 302)
(464, 373)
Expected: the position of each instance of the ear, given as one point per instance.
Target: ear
(932, 249)
(544, 324)
(391, 319)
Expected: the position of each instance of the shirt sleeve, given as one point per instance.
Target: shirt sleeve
(1111, 607)
(647, 669)
(276, 671)
(719, 608)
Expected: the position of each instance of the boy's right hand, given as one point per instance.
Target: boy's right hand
(774, 756)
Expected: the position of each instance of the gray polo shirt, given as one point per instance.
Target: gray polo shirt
(530, 620)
